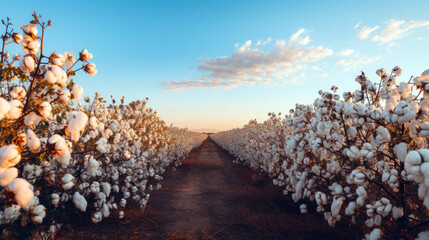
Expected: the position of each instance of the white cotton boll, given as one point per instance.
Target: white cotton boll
(303, 208)
(77, 123)
(15, 110)
(44, 109)
(38, 213)
(424, 153)
(91, 69)
(397, 212)
(127, 154)
(11, 213)
(62, 152)
(350, 210)
(95, 187)
(27, 64)
(17, 92)
(96, 217)
(10, 155)
(377, 220)
(23, 193)
(115, 188)
(32, 119)
(336, 206)
(7, 175)
(67, 181)
(375, 234)
(33, 142)
(423, 235)
(80, 201)
(4, 107)
(121, 214)
(64, 96)
(105, 210)
(77, 92)
(106, 188)
(123, 202)
(85, 55)
(401, 151)
(55, 199)
(93, 122)
(56, 75)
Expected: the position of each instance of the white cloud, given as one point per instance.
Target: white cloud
(296, 35)
(364, 32)
(355, 62)
(397, 29)
(316, 68)
(248, 64)
(419, 38)
(322, 75)
(345, 52)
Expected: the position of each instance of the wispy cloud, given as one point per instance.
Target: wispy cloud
(259, 63)
(364, 32)
(345, 52)
(355, 62)
(391, 31)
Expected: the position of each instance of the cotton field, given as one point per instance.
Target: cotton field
(360, 158)
(61, 156)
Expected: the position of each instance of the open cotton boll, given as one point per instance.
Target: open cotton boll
(4, 107)
(374, 235)
(27, 64)
(401, 150)
(96, 217)
(303, 208)
(80, 201)
(67, 181)
(62, 152)
(336, 207)
(17, 92)
(32, 119)
(33, 142)
(77, 92)
(10, 214)
(7, 175)
(23, 193)
(10, 155)
(55, 199)
(38, 213)
(423, 235)
(56, 75)
(121, 214)
(44, 109)
(15, 109)
(64, 96)
(77, 123)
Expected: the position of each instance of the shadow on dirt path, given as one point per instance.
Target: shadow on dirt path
(210, 197)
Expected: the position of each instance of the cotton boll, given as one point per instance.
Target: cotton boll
(67, 181)
(64, 96)
(121, 214)
(23, 193)
(10, 155)
(33, 142)
(90, 68)
(401, 151)
(96, 217)
(375, 234)
(336, 206)
(4, 107)
(15, 110)
(80, 201)
(77, 92)
(423, 235)
(77, 123)
(397, 212)
(303, 208)
(55, 199)
(32, 119)
(7, 175)
(27, 64)
(37, 214)
(95, 187)
(85, 55)
(56, 75)
(17, 92)
(44, 109)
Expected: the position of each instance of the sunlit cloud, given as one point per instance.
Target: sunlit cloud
(393, 30)
(260, 63)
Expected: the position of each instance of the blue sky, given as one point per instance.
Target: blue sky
(140, 47)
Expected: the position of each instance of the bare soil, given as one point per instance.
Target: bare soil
(210, 197)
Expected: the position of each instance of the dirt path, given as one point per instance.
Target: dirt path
(210, 197)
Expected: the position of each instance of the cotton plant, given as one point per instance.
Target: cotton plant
(61, 155)
(359, 156)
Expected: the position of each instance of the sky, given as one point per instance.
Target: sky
(214, 65)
